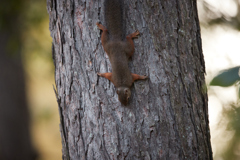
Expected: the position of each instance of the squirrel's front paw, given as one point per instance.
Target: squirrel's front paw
(98, 24)
(135, 34)
(101, 27)
(144, 77)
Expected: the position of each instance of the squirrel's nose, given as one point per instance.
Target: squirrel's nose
(125, 102)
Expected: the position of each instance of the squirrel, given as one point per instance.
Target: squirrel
(118, 50)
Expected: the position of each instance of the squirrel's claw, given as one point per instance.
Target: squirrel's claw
(101, 27)
(144, 77)
(137, 32)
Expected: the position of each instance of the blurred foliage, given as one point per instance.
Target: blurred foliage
(232, 115)
(8, 10)
(36, 36)
(8, 22)
(215, 16)
(227, 77)
(231, 112)
(37, 61)
(226, 13)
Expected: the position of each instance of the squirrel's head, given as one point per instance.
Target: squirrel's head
(124, 94)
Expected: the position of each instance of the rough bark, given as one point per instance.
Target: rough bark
(15, 139)
(167, 117)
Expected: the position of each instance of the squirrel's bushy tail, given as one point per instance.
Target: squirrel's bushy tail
(114, 18)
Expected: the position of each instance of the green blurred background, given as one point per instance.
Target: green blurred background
(25, 23)
(29, 41)
(39, 69)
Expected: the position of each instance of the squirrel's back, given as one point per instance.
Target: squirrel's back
(114, 18)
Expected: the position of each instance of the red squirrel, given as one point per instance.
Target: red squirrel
(118, 50)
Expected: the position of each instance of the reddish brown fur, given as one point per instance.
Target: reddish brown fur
(119, 52)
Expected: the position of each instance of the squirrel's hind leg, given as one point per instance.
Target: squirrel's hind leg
(104, 37)
(130, 48)
(107, 75)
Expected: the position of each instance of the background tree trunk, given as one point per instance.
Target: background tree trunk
(167, 117)
(15, 139)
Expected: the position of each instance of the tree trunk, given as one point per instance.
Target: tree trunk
(167, 117)
(15, 139)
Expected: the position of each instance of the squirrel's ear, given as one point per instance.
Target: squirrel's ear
(117, 90)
